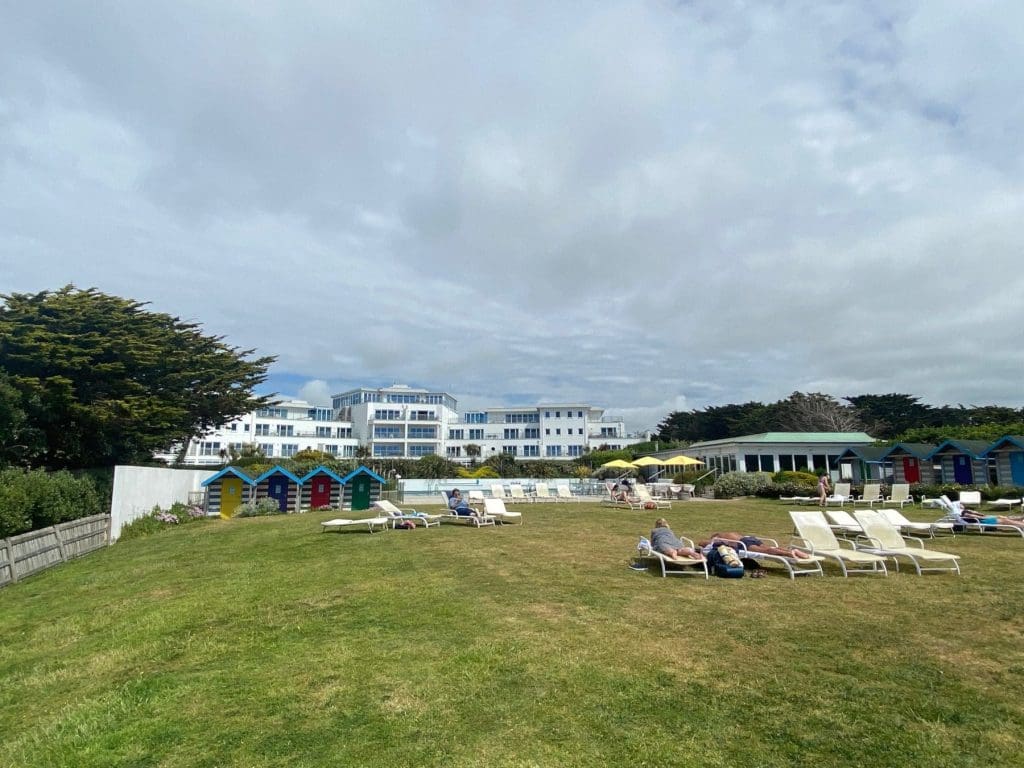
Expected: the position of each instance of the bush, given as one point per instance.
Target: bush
(34, 499)
(481, 472)
(160, 520)
(733, 484)
(258, 508)
(807, 479)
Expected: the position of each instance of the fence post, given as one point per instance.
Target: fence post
(60, 543)
(10, 560)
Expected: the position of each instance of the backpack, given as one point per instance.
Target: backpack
(724, 563)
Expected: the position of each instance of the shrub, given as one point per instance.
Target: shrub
(699, 478)
(160, 520)
(733, 484)
(30, 500)
(808, 479)
(258, 508)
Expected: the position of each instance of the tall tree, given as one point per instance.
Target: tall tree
(815, 412)
(102, 380)
(885, 416)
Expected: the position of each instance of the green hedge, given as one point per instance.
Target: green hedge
(34, 499)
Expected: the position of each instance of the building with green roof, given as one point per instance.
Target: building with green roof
(775, 451)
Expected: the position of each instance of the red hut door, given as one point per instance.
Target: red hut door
(320, 494)
(911, 470)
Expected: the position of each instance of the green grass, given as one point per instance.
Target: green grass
(263, 642)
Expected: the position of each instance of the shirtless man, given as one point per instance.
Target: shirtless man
(754, 544)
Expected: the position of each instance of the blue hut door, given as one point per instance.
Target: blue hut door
(277, 489)
(1017, 467)
(962, 470)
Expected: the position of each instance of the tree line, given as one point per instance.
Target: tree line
(889, 417)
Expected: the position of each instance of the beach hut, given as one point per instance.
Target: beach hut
(282, 486)
(1008, 454)
(321, 488)
(863, 464)
(961, 461)
(362, 487)
(910, 463)
(226, 491)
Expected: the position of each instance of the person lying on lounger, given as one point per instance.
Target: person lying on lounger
(754, 544)
(964, 515)
(668, 544)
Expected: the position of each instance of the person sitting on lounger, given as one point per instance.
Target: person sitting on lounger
(752, 543)
(964, 515)
(458, 504)
(622, 491)
(668, 544)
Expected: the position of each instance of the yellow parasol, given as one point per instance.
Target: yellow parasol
(648, 461)
(682, 461)
(617, 464)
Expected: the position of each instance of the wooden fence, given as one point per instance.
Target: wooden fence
(29, 553)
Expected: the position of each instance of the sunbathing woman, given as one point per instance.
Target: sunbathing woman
(754, 544)
(978, 518)
(668, 544)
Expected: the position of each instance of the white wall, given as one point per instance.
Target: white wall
(138, 489)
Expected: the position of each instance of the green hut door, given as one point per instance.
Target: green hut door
(361, 492)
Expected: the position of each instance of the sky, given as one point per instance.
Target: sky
(647, 206)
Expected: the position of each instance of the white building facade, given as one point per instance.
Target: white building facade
(401, 422)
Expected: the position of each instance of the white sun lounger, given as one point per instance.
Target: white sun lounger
(795, 566)
(495, 508)
(881, 538)
(370, 523)
(672, 566)
(397, 515)
(897, 518)
(817, 538)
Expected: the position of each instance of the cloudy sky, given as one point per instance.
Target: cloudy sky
(647, 205)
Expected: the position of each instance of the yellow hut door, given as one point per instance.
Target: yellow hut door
(230, 495)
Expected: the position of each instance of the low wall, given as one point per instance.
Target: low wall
(35, 551)
(138, 489)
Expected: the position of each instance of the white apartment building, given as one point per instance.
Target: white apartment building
(401, 422)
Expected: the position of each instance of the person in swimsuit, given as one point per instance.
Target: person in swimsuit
(752, 543)
(824, 488)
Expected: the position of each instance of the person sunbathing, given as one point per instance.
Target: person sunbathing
(664, 541)
(752, 543)
(979, 518)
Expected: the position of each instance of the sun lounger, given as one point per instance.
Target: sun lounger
(1007, 504)
(541, 492)
(370, 523)
(872, 495)
(397, 515)
(841, 522)
(815, 537)
(495, 509)
(517, 494)
(883, 539)
(565, 494)
(841, 494)
(671, 566)
(897, 518)
(900, 494)
(799, 499)
(649, 501)
(629, 502)
(954, 515)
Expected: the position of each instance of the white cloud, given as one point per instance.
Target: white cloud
(634, 205)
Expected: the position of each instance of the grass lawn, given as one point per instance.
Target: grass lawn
(263, 642)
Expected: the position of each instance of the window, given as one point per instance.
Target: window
(531, 450)
(455, 434)
(558, 414)
(267, 449)
(320, 414)
(289, 449)
(233, 426)
(575, 450)
(454, 451)
(423, 433)
(421, 450)
(383, 414)
(209, 449)
(558, 431)
(531, 433)
(331, 449)
(344, 431)
(522, 418)
(422, 416)
(767, 463)
(476, 434)
(785, 462)
(245, 427)
(554, 450)
(274, 413)
(475, 418)
(751, 462)
(285, 430)
(800, 462)
(511, 434)
(387, 433)
(387, 450)
(820, 461)
(323, 431)
(579, 414)
(547, 414)
(510, 450)
(547, 431)
(262, 429)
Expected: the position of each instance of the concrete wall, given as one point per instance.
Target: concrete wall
(138, 489)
